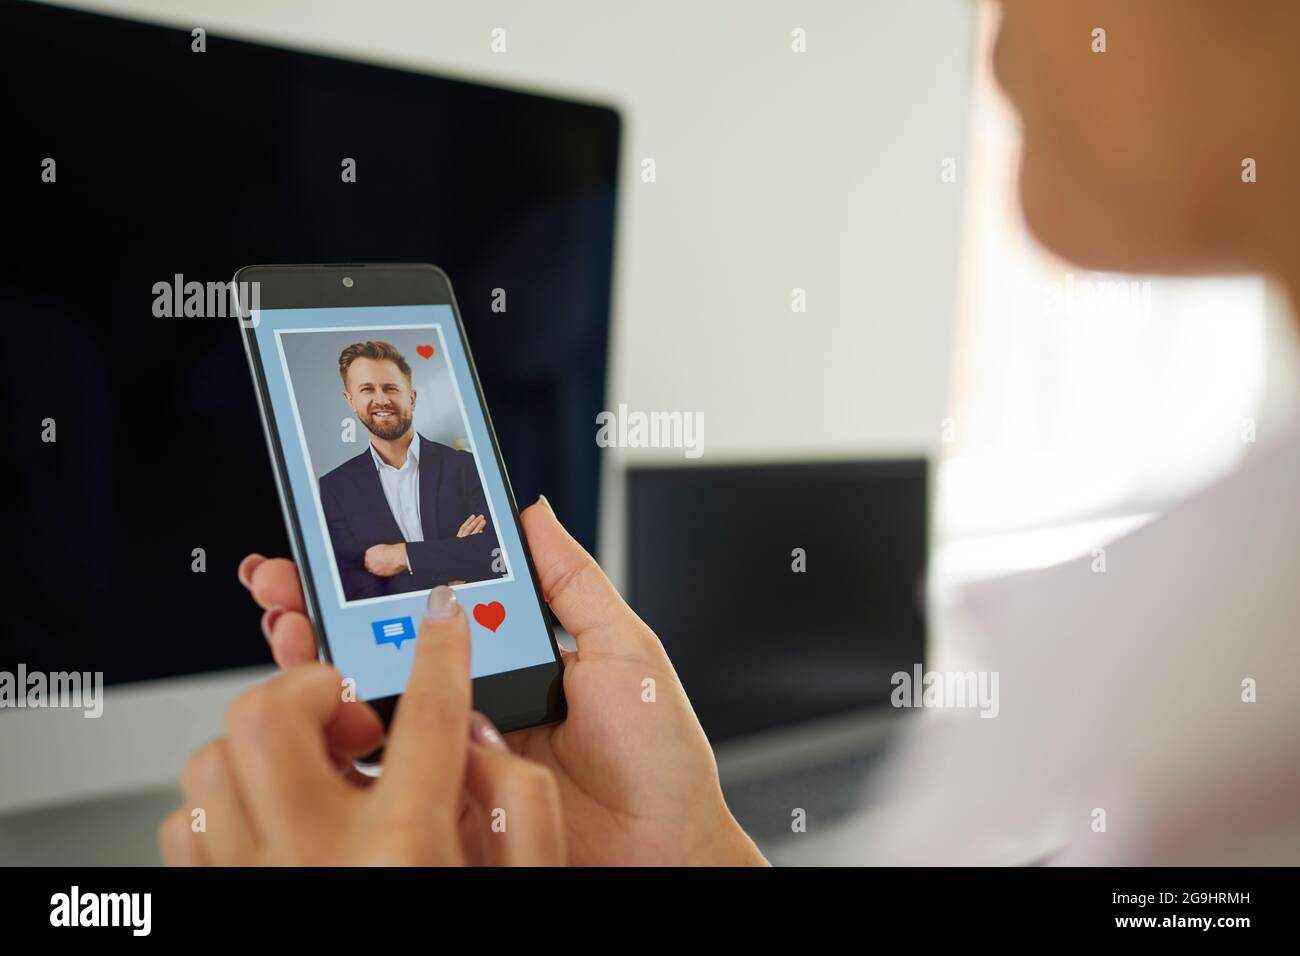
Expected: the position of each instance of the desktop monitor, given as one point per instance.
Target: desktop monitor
(171, 162)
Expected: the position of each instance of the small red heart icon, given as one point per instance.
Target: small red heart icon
(490, 615)
(425, 351)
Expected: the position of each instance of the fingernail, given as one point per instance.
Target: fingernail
(268, 620)
(246, 569)
(542, 499)
(482, 731)
(442, 604)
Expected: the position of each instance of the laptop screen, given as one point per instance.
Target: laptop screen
(783, 593)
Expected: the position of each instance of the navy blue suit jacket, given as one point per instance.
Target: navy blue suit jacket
(358, 517)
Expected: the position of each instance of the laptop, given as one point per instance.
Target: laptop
(787, 595)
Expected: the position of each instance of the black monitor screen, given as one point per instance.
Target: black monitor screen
(168, 161)
(783, 593)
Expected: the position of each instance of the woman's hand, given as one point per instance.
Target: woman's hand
(637, 779)
(275, 790)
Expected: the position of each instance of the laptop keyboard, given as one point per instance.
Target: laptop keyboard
(828, 791)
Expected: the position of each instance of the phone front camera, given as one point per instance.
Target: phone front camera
(347, 282)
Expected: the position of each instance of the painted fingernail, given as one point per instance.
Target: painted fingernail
(246, 569)
(442, 604)
(483, 731)
(268, 620)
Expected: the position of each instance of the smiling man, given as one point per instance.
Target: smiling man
(407, 514)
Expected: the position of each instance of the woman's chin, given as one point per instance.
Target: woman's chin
(1108, 228)
(1089, 232)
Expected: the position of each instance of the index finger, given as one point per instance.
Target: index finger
(424, 759)
(274, 583)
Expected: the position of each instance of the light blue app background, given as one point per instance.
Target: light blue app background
(302, 396)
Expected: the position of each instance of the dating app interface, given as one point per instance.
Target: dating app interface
(396, 486)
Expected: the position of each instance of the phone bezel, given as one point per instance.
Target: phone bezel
(498, 696)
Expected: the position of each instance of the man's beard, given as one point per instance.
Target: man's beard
(388, 427)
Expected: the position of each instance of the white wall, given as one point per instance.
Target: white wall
(775, 170)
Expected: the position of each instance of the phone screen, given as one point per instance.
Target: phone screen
(388, 458)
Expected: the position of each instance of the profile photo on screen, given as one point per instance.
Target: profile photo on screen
(399, 486)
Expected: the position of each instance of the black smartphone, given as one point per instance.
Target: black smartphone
(391, 480)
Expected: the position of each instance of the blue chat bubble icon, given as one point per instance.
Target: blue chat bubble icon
(393, 631)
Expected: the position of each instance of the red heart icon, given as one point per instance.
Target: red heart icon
(425, 351)
(490, 615)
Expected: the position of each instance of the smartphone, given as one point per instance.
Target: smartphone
(391, 480)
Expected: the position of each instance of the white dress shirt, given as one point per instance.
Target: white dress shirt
(1161, 693)
(402, 489)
